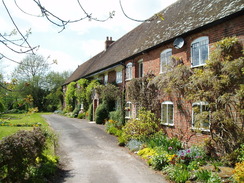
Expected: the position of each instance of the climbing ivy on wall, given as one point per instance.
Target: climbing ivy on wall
(90, 89)
(80, 92)
(70, 97)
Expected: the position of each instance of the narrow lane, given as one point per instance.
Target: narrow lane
(90, 155)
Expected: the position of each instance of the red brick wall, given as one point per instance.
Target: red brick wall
(112, 77)
(151, 64)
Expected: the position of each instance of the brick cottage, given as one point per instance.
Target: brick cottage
(187, 31)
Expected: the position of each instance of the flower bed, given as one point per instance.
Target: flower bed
(8, 124)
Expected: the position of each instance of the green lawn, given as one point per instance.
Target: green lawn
(21, 119)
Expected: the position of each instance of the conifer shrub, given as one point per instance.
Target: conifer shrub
(116, 116)
(101, 114)
(90, 112)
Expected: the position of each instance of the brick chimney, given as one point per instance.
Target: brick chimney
(108, 42)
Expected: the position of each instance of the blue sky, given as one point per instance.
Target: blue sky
(79, 41)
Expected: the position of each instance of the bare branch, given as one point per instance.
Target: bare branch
(30, 48)
(158, 15)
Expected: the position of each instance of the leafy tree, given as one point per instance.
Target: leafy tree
(32, 69)
(55, 97)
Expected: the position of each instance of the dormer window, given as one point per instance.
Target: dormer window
(199, 51)
(165, 60)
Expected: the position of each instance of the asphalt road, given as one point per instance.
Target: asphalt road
(90, 155)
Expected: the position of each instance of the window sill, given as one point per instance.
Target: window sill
(203, 130)
(200, 65)
(166, 124)
(128, 79)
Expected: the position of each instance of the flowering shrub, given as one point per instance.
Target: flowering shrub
(161, 160)
(141, 128)
(159, 139)
(4, 123)
(239, 172)
(147, 154)
(194, 153)
(134, 145)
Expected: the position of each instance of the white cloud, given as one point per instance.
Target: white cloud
(92, 47)
(65, 62)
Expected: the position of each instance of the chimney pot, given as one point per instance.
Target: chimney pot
(108, 42)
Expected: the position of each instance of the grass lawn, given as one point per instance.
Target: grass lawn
(21, 119)
(46, 164)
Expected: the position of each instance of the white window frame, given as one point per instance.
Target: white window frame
(201, 104)
(128, 110)
(165, 59)
(129, 71)
(119, 76)
(81, 106)
(163, 104)
(199, 44)
(106, 79)
(140, 68)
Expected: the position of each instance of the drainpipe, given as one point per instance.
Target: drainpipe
(123, 101)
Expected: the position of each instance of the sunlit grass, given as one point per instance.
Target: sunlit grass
(20, 119)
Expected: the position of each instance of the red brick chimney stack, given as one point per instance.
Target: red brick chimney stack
(108, 42)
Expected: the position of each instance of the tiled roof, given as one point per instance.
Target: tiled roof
(181, 17)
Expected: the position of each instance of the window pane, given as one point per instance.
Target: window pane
(204, 51)
(165, 59)
(129, 71)
(196, 110)
(140, 69)
(168, 57)
(195, 54)
(170, 113)
(119, 77)
(164, 113)
(203, 110)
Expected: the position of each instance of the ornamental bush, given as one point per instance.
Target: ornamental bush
(239, 172)
(141, 128)
(19, 152)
